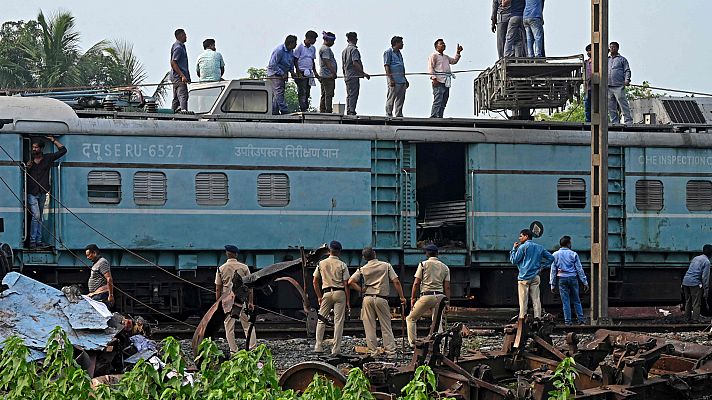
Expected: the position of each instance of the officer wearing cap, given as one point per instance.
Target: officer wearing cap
(223, 285)
(432, 281)
(376, 289)
(332, 294)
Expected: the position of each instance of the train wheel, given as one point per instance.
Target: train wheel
(299, 376)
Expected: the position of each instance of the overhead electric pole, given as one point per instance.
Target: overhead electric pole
(599, 162)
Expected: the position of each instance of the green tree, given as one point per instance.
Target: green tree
(45, 53)
(290, 90)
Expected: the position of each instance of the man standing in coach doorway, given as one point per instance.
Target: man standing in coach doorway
(223, 285)
(333, 293)
(38, 169)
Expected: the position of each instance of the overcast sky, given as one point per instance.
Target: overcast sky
(664, 40)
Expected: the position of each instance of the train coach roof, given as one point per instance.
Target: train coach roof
(49, 116)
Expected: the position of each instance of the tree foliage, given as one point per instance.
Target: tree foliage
(46, 53)
(290, 90)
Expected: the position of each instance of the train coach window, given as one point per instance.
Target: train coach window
(211, 189)
(104, 187)
(273, 190)
(245, 101)
(149, 188)
(648, 195)
(571, 193)
(699, 195)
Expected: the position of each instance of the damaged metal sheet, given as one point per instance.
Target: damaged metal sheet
(31, 310)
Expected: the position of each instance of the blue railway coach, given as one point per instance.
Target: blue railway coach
(164, 193)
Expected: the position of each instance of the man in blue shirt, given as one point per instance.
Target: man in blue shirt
(534, 26)
(281, 63)
(395, 74)
(514, 45)
(211, 66)
(180, 76)
(696, 283)
(618, 79)
(527, 256)
(566, 270)
(304, 57)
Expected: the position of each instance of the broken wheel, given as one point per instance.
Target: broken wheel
(300, 375)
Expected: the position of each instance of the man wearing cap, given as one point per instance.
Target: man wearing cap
(327, 74)
(432, 279)
(332, 294)
(223, 285)
(376, 274)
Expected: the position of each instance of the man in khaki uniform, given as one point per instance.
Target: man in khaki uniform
(223, 285)
(432, 279)
(332, 294)
(376, 288)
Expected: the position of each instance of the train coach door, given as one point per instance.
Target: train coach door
(49, 206)
(442, 196)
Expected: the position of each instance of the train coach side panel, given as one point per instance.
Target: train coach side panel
(669, 199)
(516, 187)
(280, 193)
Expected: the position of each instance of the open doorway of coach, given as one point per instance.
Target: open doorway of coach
(441, 194)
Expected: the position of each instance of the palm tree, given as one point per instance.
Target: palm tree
(128, 69)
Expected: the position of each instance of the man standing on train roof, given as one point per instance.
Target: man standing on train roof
(441, 76)
(37, 179)
(515, 41)
(527, 256)
(333, 294)
(281, 64)
(376, 276)
(696, 283)
(618, 78)
(566, 271)
(223, 285)
(211, 66)
(304, 56)
(101, 284)
(500, 20)
(395, 75)
(353, 72)
(180, 76)
(432, 282)
(534, 27)
(327, 76)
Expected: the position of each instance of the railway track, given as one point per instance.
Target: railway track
(291, 329)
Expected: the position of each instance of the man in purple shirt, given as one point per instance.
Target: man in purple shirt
(180, 76)
(304, 57)
(281, 63)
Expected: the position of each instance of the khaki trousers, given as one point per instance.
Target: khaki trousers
(421, 307)
(528, 289)
(337, 301)
(230, 331)
(371, 308)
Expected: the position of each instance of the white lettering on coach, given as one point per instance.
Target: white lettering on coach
(97, 151)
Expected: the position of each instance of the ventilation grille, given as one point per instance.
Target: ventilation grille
(211, 189)
(571, 193)
(273, 190)
(699, 196)
(649, 195)
(150, 188)
(104, 187)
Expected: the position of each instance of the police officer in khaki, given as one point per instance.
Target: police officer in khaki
(432, 280)
(332, 294)
(223, 285)
(376, 288)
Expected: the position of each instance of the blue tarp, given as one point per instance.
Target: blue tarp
(31, 310)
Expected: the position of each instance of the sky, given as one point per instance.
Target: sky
(658, 37)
